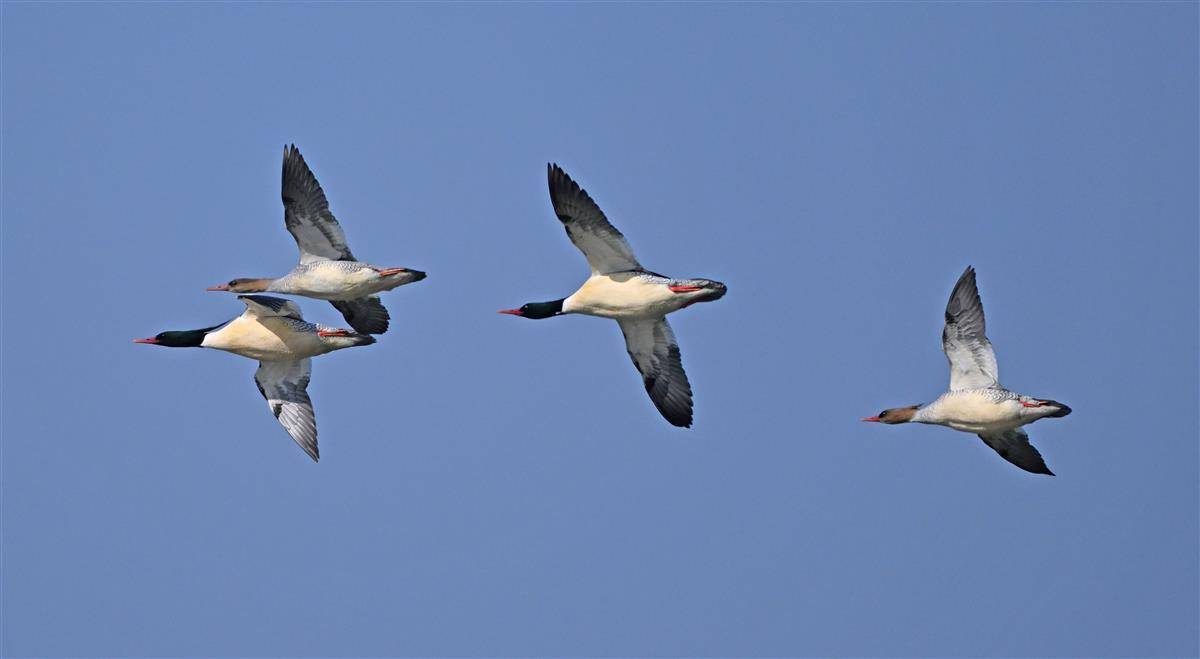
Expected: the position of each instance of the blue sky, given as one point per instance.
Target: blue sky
(504, 487)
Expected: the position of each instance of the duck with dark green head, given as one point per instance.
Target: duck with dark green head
(273, 331)
(621, 289)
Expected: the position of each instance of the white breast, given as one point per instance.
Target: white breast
(269, 339)
(973, 411)
(622, 295)
(332, 280)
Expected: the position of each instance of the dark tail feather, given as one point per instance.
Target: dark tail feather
(1063, 409)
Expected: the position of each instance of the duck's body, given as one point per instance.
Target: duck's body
(324, 279)
(327, 269)
(276, 338)
(619, 288)
(273, 331)
(982, 411)
(976, 401)
(636, 294)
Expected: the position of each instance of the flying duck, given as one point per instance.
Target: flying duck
(621, 289)
(976, 402)
(327, 270)
(273, 331)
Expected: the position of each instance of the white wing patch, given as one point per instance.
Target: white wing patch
(605, 248)
(285, 386)
(964, 338)
(306, 213)
(655, 353)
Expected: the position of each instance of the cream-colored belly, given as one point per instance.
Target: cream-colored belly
(329, 282)
(977, 413)
(623, 295)
(265, 339)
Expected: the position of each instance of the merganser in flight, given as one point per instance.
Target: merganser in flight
(976, 402)
(327, 270)
(621, 289)
(273, 331)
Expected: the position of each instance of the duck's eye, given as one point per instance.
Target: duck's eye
(883, 414)
(233, 282)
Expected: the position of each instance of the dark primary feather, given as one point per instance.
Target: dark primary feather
(605, 248)
(366, 315)
(652, 346)
(267, 305)
(285, 386)
(1014, 446)
(306, 212)
(964, 338)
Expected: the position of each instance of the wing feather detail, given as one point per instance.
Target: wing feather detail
(285, 386)
(655, 353)
(602, 244)
(964, 338)
(306, 213)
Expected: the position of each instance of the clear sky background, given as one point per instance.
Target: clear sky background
(497, 486)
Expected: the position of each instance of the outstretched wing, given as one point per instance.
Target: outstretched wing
(285, 386)
(651, 345)
(306, 213)
(266, 306)
(1014, 446)
(605, 248)
(964, 340)
(366, 315)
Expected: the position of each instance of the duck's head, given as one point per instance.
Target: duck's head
(895, 415)
(537, 310)
(178, 339)
(242, 285)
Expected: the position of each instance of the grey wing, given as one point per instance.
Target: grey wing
(266, 306)
(605, 247)
(285, 386)
(1013, 445)
(655, 353)
(306, 213)
(366, 315)
(964, 339)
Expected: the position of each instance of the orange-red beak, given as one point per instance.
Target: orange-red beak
(684, 289)
(149, 340)
(387, 272)
(871, 418)
(334, 332)
(219, 287)
(511, 312)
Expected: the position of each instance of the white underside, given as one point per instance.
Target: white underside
(974, 412)
(333, 282)
(626, 296)
(265, 339)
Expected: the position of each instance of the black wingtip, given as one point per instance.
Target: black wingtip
(968, 275)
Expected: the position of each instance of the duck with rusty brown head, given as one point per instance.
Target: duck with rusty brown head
(976, 401)
(327, 269)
